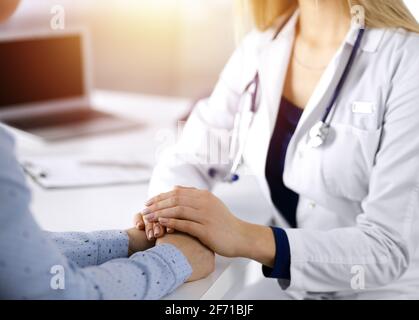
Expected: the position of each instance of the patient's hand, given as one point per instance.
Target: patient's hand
(201, 259)
(153, 230)
(138, 241)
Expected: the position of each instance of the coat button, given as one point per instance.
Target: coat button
(312, 205)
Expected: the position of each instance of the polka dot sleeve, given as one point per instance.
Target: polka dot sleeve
(94, 248)
(151, 274)
(36, 265)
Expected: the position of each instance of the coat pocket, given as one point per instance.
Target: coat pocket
(348, 158)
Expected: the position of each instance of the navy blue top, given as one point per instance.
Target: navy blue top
(284, 199)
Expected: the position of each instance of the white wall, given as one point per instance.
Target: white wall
(170, 47)
(414, 7)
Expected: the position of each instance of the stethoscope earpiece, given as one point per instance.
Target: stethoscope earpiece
(229, 178)
(212, 173)
(234, 178)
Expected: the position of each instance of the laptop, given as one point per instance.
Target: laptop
(45, 86)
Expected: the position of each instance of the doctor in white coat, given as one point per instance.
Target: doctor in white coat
(355, 231)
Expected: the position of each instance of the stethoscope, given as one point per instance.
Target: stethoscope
(243, 120)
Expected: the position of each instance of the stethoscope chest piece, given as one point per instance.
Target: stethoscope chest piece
(318, 134)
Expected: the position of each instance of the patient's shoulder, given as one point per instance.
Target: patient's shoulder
(11, 173)
(7, 141)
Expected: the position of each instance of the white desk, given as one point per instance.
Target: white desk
(114, 207)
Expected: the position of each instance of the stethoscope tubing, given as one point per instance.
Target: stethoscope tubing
(345, 74)
(232, 176)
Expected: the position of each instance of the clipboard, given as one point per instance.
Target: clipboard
(80, 171)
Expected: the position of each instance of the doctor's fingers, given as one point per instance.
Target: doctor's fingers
(194, 229)
(178, 191)
(154, 230)
(171, 202)
(139, 222)
(184, 213)
(150, 229)
(158, 230)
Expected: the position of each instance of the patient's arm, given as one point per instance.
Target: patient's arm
(94, 248)
(32, 265)
(199, 256)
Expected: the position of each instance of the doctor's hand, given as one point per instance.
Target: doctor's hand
(204, 216)
(152, 230)
(201, 259)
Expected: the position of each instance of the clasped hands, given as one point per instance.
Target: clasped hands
(199, 256)
(201, 215)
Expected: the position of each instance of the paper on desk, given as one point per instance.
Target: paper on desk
(61, 172)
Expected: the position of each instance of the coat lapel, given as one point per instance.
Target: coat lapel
(317, 104)
(272, 61)
(273, 64)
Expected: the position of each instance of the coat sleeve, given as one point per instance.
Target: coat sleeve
(380, 247)
(205, 140)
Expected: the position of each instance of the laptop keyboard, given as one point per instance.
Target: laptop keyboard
(73, 124)
(59, 119)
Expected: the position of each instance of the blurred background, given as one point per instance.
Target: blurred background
(163, 47)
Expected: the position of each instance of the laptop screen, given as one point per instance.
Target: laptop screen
(40, 69)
